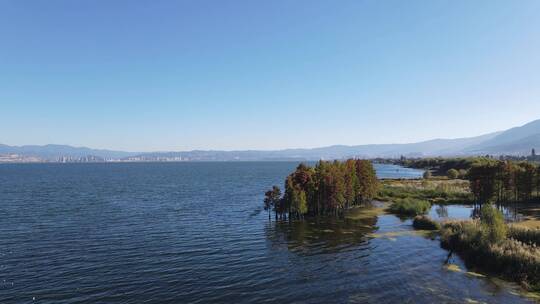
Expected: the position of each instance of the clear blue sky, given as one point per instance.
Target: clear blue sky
(181, 75)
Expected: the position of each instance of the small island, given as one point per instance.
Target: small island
(329, 188)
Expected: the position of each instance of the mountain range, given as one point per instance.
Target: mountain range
(516, 141)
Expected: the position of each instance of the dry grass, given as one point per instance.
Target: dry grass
(438, 191)
(529, 223)
(525, 235)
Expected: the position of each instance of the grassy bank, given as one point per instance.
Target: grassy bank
(436, 191)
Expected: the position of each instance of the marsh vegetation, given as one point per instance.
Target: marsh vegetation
(489, 244)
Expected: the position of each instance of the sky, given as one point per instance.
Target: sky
(156, 75)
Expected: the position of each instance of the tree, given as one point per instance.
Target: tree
(525, 182)
(351, 182)
(492, 220)
(368, 184)
(328, 188)
(482, 182)
(271, 200)
(299, 203)
(452, 173)
(538, 181)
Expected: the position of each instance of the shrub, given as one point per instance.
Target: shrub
(427, 174)
(410, 206)
(452, 174)
(425, 223)
(494, 229)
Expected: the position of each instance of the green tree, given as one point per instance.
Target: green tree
(300, 203)
(492, 220)
(351, 182)
(368, 184)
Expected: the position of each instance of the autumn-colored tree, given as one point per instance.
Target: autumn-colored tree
(368, 184)
(271, 200)
(328, 188)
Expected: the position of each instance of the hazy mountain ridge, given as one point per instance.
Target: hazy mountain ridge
(515, 141)
(52, 152)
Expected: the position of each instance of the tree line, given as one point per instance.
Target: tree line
(441, 166)
(326, 189)
(504, 181)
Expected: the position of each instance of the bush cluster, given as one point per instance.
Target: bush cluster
(425, 223)
(487, 244)
(410, 206)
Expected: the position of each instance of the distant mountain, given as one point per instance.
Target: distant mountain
(53, 152)
(436, 147)
(519, 140)
(515, 141)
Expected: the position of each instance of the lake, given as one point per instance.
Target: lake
(197, 233)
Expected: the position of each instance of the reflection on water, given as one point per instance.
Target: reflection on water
(329, 235)
(511, 212)
(442, 211)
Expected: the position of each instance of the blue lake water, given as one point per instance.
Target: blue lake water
(196, 233)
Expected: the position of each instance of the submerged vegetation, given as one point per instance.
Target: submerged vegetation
(329, 188)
